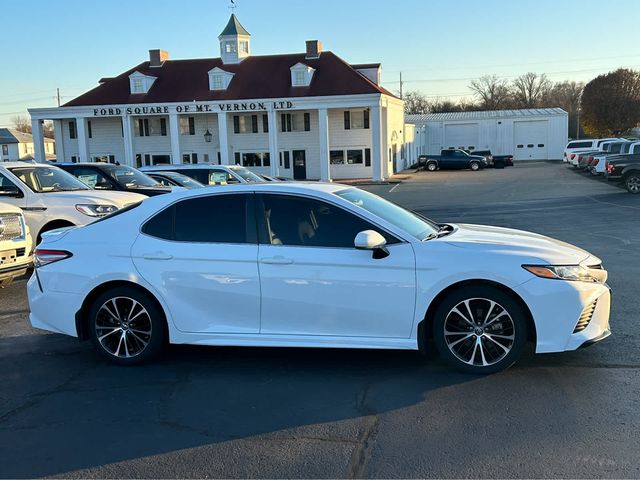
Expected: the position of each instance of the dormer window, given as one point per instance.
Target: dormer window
(301, 75)
(140, 83)
(216, 82)
(138, 87)
(219, 79)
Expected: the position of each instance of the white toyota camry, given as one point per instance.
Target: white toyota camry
(313, 265)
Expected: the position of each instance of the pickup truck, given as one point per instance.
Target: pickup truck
(597, 165)
(625, 169)
(496, 161)
(15, 244)
(579, 146)
(452, 159)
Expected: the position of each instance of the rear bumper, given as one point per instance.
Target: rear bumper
(55, 311)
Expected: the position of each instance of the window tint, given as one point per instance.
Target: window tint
(210, 219)
(6, 184)
(296, 221)
(92, 177)
(579, 144)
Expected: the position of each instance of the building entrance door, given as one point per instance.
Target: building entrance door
(299, 165)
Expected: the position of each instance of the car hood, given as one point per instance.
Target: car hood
(119, 199)
(531, 246)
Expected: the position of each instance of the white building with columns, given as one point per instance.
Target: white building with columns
(310, 115)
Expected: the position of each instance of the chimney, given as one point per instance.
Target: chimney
(157, 57)
(314, 49)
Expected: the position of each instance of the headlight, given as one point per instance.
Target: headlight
(94, 210)
(576, 273)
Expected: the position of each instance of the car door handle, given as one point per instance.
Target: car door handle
(157, 256)
(279, 260)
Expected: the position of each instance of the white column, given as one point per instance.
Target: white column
(174, 135)
(274, 169)
(58, 136)
(323, 130)
(127, 139)
(81, 130)
(38, 140)
(223, 139)
(376, 143)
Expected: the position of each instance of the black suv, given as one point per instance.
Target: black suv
(109, 176)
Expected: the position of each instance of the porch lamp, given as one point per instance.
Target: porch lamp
(207, 136)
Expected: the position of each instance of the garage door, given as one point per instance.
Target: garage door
(530, 140)
(461, 136)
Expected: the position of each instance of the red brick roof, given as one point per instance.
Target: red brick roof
(266, 76)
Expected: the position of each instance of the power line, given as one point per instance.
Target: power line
(456, 79)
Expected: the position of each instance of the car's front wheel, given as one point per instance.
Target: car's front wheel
(475, 166)
(480, 329)
(632, 183)
(126, 326)
(432, 166)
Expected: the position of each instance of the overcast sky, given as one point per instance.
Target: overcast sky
(439, 46)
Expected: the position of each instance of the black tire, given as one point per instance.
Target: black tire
(504, 318)
(632, 182)
(432, 166)
(128, 341)
(475, 166)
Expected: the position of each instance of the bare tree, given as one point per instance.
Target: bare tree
(415, 102)
(493, 92)
(47, 129)
(21, 123)
(529, 89)
(566, 95)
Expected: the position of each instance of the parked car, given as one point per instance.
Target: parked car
(314, 265)
(15, 244)
(210, 174)
(497, 161)
(52, 198)
(109, 176)
(452, 159)
(598, 163)
(626, 170)
(175, 179)
(584, 145)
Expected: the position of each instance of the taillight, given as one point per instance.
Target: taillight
(573, 155)
(42, 257)
(596, 161)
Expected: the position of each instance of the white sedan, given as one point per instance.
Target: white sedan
(313, 265)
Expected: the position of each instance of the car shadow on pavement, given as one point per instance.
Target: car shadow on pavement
(64, 409)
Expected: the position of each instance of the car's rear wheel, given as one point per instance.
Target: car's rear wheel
(474, 166)
(126, 326)
(432, 166)
(632, 183)
(480, 329)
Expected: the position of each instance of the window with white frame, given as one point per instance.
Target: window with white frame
(138, 86)
(244, 46)
(356, 119)
(295, 122)
(216, 82)
(245, 124)
(152, 126)
(254, 159)
(300, 78)
(230, 47)
(357, 156)
(187, 126)
(5, 150)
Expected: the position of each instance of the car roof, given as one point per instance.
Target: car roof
(173, 168)
(24, 164)
(91, 164)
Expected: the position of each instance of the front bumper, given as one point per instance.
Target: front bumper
(557, 306)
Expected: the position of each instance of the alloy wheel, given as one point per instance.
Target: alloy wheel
(432, 167)
(474, 166)
(123, 327)
(479, 332)
(633, 184)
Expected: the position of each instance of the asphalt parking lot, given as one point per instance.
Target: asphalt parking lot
(241, 412)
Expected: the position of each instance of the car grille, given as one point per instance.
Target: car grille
(10, 227)
(585, 317)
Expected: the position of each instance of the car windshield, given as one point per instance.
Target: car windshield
(48, 179)
(419, 227)
(247, 175)
(131, 178)
(183, 180)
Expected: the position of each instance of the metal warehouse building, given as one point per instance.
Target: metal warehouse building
(531, 134)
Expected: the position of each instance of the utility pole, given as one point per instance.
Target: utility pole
(400, 84)
(578, 124)
(58, 95)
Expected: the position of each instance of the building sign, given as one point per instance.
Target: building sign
(193, 108)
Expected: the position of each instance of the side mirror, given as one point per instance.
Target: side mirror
(10, 191)
(372, 240)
